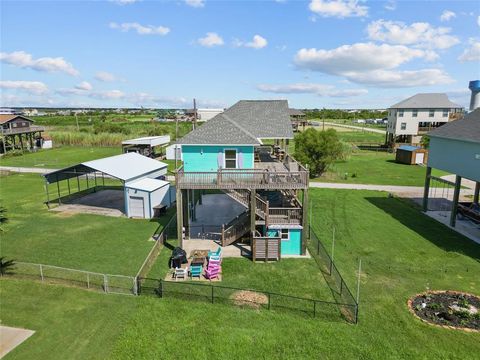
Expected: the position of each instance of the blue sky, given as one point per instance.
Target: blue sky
(317, 53)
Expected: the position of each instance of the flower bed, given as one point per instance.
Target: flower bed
(449, 309)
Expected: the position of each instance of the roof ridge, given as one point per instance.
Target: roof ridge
(229, 119)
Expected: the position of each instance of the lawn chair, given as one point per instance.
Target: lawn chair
(196, 271)
(212, 273)
(215, 253)
(180, 273)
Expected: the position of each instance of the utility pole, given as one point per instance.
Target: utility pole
(194, 114)
(176, 140)
(76, 119)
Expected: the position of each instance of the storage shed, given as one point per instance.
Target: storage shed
(142, 186)
(411, 155)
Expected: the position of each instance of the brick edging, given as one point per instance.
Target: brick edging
(410, 308)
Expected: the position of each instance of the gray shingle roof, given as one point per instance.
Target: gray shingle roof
(218, 130)
(467, 129)
(426, 101)
(244, 123)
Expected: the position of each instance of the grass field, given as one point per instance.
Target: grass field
(87, 242)
(369, 167)
(403, 252)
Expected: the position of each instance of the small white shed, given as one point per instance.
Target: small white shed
(171, 152)
(145, 197)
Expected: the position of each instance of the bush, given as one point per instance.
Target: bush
(110, 128)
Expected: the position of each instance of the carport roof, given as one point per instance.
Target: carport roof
(123, 167)
(147, 184)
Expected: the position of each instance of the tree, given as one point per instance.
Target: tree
(425, 141)
(318, 149)
(6, 266)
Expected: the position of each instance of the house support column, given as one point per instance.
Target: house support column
(476, 192)
(426, 189)
(179, 216)
(456, 196)
(186, 212)
(253, 206)
(305, 223)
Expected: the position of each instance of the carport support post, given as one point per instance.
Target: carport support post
(426, 189)
(68, 184)
(58, 190)
(456, 195)
(476, 192)
(46, 190)
(179, 216)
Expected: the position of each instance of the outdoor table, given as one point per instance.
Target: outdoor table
(198, 260)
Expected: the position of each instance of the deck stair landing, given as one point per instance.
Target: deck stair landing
(242, 196)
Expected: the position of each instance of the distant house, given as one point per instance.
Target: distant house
(298, 118)
(18, 132)
(410, 119)
(204, 114)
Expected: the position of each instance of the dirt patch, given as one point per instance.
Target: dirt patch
(251, 299)
(447, 309)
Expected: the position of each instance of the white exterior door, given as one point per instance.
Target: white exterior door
(419, 158)
(136, 207)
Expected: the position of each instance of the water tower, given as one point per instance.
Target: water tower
(474, 86)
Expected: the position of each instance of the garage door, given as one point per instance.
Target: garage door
(136, 208)
(419, 158)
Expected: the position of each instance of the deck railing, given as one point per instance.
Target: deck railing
(236, 229)
(242, 178)
(21, 130)
(291, 216)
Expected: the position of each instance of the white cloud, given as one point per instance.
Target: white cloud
(124, 2)
(105, 76)
(472, 53)
(420, 34)
(411, 78)
(447, 15)
(141, 29)
(310, 88)
(31, 87)
(258, 42)
(84, 85)
(49, 64)
(359, 57)
(338, 8)
(108, 94)
(211, 39)
(195, 3)
(391, 5)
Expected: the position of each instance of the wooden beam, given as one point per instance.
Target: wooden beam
(456, 195)
(476, 192)
(179, 217)
(253, 206)
(426, 189)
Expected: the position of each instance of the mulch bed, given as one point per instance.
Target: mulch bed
(448, 309)
(251, 299)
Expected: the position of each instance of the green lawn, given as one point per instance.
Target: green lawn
(370, 167)
(60, 157)
(403, 252)
(88, 242)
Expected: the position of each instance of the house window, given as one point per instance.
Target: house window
(431, 113)
(284, 234)
(414, 113)
(14, 124)
(400, 113)
(403, 126)
(445, 113)
(230, 159)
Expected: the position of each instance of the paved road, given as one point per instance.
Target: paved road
(33, 170)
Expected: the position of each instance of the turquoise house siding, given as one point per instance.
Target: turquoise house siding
(292, 246)
(206, 157)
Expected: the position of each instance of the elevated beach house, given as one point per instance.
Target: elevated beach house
(241, 153)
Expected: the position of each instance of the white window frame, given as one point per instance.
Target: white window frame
(402, 126)
(445, 113)
(431, 113)
(415, 113)
(281, 235)
(400, 113)
(225, 158)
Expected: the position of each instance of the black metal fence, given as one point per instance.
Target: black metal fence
(245, 298)
(343, 296)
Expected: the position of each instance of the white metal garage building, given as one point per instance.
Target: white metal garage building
(143, 182)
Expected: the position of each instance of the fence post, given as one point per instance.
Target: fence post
(105, 284)
(314, 308)
(318, 247)
(41, 272)
(161, 288)
(212, 292)
(268, 301)
(135, 285)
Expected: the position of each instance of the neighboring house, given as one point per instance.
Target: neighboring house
(410, 119)
(227, 154)
(204, 114)
(18, 132)
(455, 148)
(298, 118)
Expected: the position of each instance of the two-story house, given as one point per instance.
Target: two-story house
(241, 153)
(18, 132)
(411, 118)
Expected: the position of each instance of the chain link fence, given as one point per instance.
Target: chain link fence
(115, 284)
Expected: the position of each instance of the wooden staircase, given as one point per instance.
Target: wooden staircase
(236, 229)
(242, 196)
